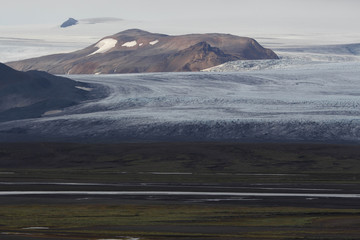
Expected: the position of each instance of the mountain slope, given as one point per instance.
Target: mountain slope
(135, 50)
(32, 94)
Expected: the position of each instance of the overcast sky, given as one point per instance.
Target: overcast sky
(276, 15)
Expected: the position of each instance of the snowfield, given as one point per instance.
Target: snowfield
(154, 42)
(309, 102)
(105, 45)
(129, 44)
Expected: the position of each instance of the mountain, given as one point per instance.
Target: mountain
(33, 94)
(70, 22)
(135, 50)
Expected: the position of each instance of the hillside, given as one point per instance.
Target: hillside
(33, 94)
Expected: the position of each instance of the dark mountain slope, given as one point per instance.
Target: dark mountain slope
(32, 94)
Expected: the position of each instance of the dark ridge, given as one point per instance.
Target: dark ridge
(31, 94)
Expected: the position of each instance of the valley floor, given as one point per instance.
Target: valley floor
(179, 191)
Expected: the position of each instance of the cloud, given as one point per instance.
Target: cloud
(289, 15)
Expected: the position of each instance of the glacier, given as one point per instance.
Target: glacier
(310, 101)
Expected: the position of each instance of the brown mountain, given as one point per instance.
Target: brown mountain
(140, 51)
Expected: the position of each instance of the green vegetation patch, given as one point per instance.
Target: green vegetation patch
(180, 220)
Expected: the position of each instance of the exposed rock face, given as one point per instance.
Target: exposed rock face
(197, 57)
(31, 94)
(140, 51)
(68, 23)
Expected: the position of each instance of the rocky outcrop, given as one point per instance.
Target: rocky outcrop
(137, 51)
(33, 94)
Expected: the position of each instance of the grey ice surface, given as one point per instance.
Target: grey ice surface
(309, 102)
(295, 57)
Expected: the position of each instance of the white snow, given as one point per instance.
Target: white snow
(140, 44)
(105, 45)
(84, 88)
(154, 42)
(129, 44)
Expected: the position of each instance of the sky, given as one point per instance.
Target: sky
(261, 15)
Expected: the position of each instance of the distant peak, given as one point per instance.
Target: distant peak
(69, 22)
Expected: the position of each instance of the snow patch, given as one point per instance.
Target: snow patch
(140, 44)
(105, 45)
(84, 88)
(52, 112)
(129, 44)
(154, 42)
